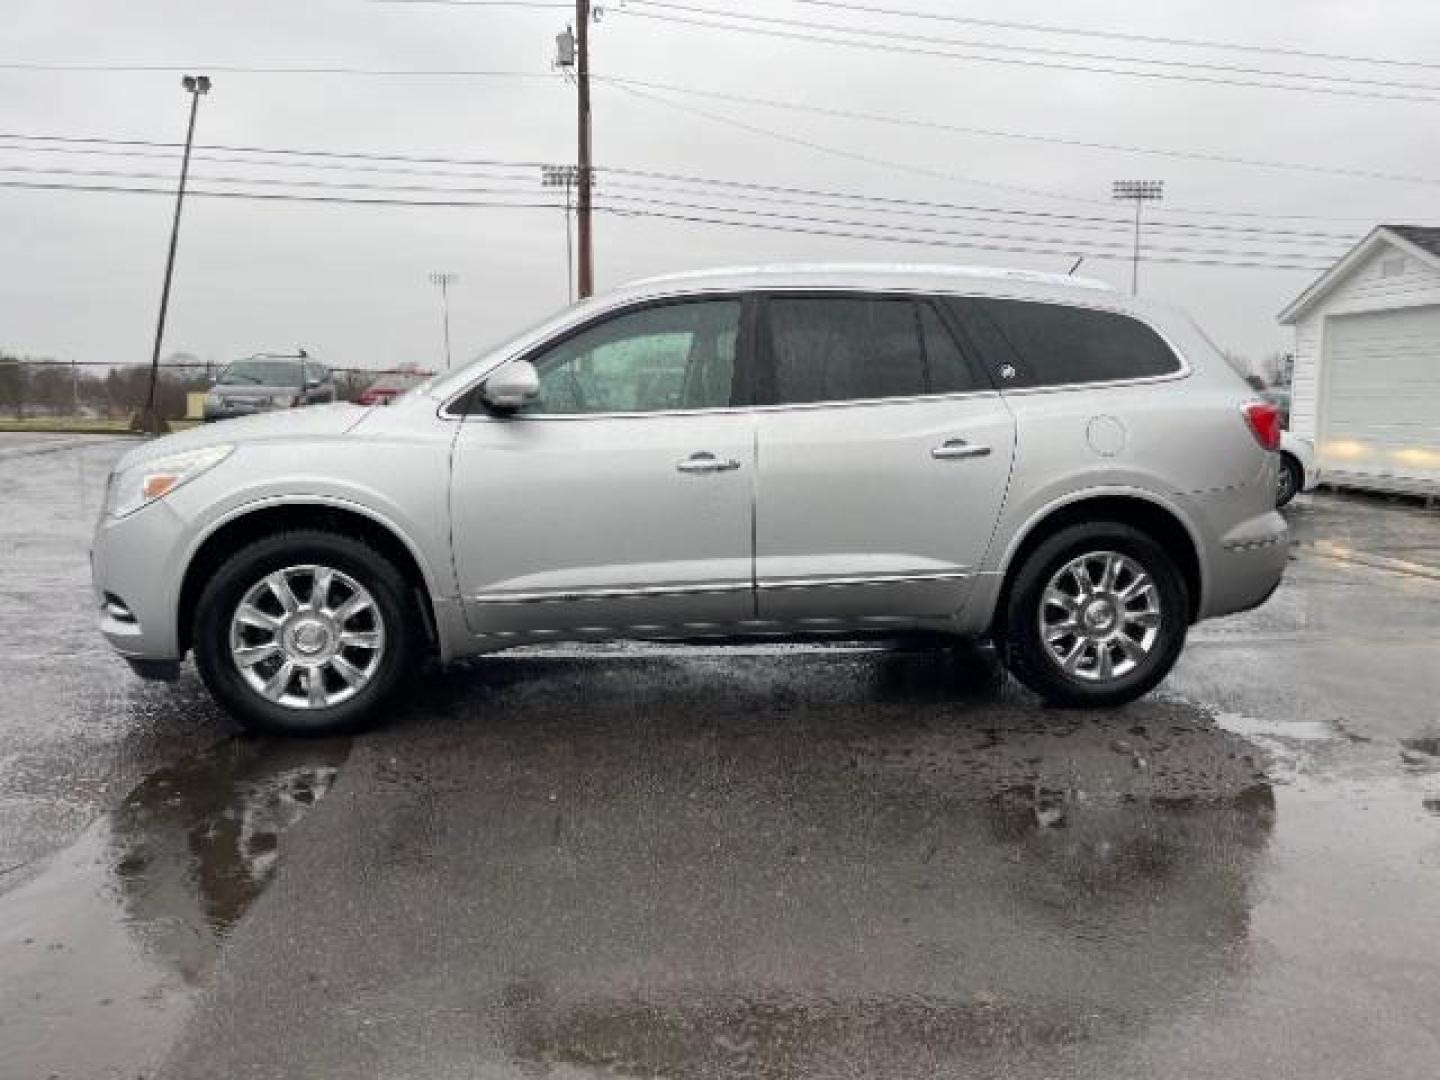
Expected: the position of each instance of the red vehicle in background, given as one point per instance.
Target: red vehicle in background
(392, 384)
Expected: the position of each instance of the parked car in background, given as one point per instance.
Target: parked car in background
(1299, 468)
(391, 385)
(1281, 400)
(1072, 472)
(268, 381)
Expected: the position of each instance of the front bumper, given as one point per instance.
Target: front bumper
(133, 564)
(232, 410)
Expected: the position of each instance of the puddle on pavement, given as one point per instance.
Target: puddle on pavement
(99, 951)
(953, 931)
(1042, 935)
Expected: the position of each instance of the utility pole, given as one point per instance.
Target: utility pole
(445, 280)
(586, 283)
(1139, 192)
(196, 86)
(557, 176)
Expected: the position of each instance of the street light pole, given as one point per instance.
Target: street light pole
(1138, 192)
(445, 280)
(195, 86)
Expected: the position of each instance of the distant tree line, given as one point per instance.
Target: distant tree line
(31, 387)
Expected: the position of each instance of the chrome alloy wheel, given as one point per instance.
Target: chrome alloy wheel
(307, 637)
(1100, 616)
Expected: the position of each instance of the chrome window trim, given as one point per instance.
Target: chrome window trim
(595, 318)
(1185, 370)
(736, 409)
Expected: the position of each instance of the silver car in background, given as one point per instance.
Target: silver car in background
(265, 382)
(1073, 473)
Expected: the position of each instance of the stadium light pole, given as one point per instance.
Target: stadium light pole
(445, 280)
(196, 86)
(1139, 192)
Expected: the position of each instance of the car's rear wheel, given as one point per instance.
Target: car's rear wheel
(1289, 480)
(1096, 615)
(305, 632)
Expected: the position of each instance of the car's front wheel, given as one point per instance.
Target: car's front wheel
(1096, 615)
(305, 632)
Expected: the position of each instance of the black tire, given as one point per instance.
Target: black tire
(227, 587)
(1020, 634)
(1291, 479)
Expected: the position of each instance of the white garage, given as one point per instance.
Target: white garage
(1367, 363)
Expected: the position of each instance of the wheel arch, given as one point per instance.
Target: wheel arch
(1137, 509)
(255, 522)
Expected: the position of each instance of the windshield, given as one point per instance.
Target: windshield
(262, 373)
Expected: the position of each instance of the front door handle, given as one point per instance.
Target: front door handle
(959, 448)
(704, 461)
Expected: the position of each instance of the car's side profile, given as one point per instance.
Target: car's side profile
(777, 451)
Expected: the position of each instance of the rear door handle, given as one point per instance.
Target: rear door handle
(959, 448)
(704, 461)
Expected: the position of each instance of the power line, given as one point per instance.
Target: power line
(339, 185)
(1000, 24)
(1094, 224)
(775, 223)
(1041, 50)
(936, 125)
(812, 33)
(1010, 249)
(116, 189)
(541, 4)
(852, 155)
(921, 171)
(273, 69)
(935, 212)
(1091, 244)
(345, 161)
(1115, 35)
(996, 215)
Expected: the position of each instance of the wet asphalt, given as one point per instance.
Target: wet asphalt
(846, 862)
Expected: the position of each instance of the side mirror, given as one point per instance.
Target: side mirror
(512, 386)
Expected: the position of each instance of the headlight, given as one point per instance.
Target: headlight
(139, 485)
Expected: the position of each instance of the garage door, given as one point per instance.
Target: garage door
(1381, 406)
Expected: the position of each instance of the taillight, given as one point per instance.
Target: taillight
(1264, 421)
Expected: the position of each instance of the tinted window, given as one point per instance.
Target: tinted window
(1052, 345)
(676, 356)
(844, 348)
(948, 369)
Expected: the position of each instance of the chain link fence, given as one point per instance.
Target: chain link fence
(101, 393)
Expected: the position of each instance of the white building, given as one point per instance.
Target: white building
(1367, 362)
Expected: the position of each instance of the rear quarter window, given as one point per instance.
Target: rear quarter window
(1028, 343)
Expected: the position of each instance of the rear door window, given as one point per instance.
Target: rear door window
(1027, 343)
(859, 348)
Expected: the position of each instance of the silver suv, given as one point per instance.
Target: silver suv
(781, 451)
(266, 381)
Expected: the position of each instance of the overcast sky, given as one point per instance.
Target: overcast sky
(82, 270)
